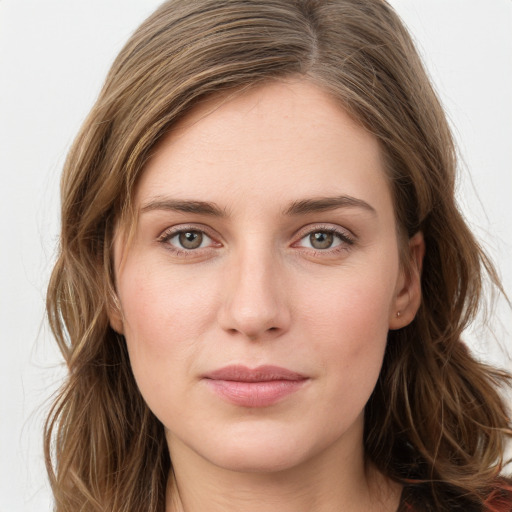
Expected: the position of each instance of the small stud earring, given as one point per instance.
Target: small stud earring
(398, 314)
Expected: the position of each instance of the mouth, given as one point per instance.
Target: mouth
(259, 387)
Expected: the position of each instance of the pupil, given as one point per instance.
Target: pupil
(191, 239)
(321, 240)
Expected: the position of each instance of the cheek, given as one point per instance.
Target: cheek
(348, 325)
(160, 305)
(165, 318)
(351, 304)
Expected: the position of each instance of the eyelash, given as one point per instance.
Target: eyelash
(169, 234)
(346, 240)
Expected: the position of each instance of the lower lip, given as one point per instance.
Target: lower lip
(254, 394)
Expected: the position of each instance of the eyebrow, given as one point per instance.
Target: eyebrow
(323, 204)
(300, 207)
(185, 206)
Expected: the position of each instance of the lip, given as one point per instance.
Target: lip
(258, 387)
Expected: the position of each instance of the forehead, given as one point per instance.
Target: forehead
(277, 142)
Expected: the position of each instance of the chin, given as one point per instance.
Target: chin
(261, 450)
(260, 460)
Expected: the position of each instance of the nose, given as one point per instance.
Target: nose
(255, 298)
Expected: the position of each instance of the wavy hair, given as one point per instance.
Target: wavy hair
(435, 418)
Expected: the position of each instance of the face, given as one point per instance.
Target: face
(262, 280)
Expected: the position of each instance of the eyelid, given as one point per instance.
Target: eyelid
(172, 231)
(346, 236)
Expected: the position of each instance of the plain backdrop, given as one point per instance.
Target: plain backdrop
(53, 58)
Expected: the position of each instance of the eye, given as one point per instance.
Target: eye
(186, 239)
(322, 240)
(325, 239)
(189, 239)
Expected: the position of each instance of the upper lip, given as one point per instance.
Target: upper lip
(265, 373)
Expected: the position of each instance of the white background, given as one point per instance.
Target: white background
(53, 58)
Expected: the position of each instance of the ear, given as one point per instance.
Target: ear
(115, 314)
(408, 292)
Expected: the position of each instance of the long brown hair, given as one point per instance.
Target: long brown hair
(436, 417)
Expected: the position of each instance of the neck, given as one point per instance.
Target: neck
(329, 481)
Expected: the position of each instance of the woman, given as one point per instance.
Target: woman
(264, 278)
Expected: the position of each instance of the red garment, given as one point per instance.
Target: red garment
(417, 498)
(500, 500)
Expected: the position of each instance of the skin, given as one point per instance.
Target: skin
(260, 290)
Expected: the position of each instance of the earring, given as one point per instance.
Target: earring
(398, 314)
